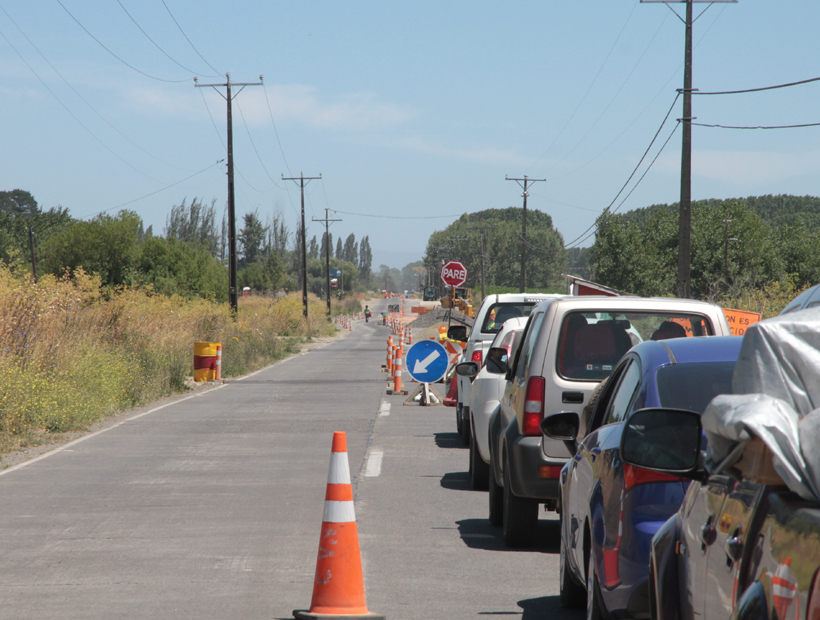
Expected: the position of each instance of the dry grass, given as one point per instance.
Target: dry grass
(71, 356)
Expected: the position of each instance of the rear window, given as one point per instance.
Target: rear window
(692, 386)
(591, 343)
(498, 313)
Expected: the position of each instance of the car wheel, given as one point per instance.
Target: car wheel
(458, 418)
(465, 425)
(496, 500)
(594, 607)
(520, 517)
(571, 594)
(479, 470)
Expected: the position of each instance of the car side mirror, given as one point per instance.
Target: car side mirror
(497, 360)
(563, 426)
(467, 369)
(457, 332)
(664, 440)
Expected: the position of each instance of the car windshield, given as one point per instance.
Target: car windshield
(692, 386)
(591, 343)
(498, 313)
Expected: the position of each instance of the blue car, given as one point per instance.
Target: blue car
(611, 510)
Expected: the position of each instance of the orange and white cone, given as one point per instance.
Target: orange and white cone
(338, 586)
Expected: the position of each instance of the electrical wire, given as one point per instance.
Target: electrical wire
(74, 116)
(83, 99)
(253, 144)
(218, 74)
(132, 67)
(594, 80)
(167, 55)
(153, 193)
(757, 90)
(397, 217)
(759, 126)
(275, 131)
(648, 168)
(646, 152)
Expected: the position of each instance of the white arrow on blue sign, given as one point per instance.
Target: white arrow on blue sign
(427, 361)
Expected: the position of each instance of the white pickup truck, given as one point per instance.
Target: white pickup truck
(494, 310)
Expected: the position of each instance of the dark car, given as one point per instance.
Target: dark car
(610, 510)
(807, 299)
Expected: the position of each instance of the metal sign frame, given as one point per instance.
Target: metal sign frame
(685, 1)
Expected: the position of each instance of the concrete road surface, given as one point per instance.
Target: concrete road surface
(210, 507)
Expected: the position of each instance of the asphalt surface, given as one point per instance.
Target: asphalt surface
(210, 507)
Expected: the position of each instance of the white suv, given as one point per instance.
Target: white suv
(494, 310)
(569, 346)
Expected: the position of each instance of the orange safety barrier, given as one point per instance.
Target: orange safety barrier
(390, 354)
(206, 355)
(338, 584)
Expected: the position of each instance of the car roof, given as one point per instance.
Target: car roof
(689, 350)
(624, 302)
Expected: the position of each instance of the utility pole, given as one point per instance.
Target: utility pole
(481, 230)
(726, 240)
(33, 255)
(302, 178)
(526, 180)
(684, 279)
(327, 255)
(232, 286)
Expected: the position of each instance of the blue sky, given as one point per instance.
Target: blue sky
(413, 110)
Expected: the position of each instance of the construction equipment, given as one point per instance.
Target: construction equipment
(429, 293)
(461, 299)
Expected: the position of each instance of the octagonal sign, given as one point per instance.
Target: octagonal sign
(454, 274)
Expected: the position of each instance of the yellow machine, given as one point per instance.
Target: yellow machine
(461, 299)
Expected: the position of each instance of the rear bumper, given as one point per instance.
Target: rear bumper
(524, 458)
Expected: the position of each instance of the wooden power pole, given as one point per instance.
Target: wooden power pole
(327, 222)
(302, 178)
(526, 181)
(232, 286)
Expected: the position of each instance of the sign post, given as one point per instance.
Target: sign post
(427, 362)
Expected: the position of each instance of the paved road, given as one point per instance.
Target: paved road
(210, 507)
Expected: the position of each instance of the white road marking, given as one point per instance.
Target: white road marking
(374, 464)
(384, 409)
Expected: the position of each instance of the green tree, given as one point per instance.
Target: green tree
(350, 253)
(194, 223)
(19, 211)
(174, 267)
(251, 238)
(313, 247)
(365, 260)
(107, 245)
(339, 249)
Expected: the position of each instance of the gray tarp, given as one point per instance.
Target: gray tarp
(776, 398)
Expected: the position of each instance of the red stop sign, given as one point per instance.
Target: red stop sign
(454, 274)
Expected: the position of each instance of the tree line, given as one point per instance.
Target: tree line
(737, 245)
(188, 259)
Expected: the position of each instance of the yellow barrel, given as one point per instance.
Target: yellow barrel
(207, 361)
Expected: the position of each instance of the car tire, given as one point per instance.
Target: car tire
(496, 500)
(458, 418)
(571, 594)
(465, 425)
(593, 593)
(479, 470)
(520, 517)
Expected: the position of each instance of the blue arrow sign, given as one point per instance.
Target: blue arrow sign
(427, 361)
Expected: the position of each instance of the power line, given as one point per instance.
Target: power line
(759, 126)
(74, 116)
(648, 168)
(76, 92)
(646, 152)
(167, 55)
(191, 43)
(100, 43)
(153, 193)
(757, 90)
(397, 217)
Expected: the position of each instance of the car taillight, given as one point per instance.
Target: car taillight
(476, 357)
(633, 476)
(534, 405)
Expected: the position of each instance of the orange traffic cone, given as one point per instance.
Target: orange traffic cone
(338, 586)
